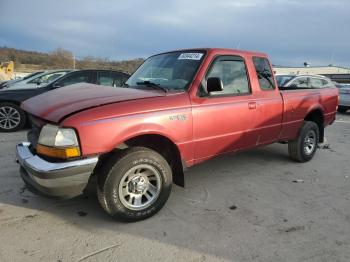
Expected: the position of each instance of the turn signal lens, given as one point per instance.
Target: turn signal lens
(63, 153)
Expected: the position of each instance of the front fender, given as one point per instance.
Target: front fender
(103, 135)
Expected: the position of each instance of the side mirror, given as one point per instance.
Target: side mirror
(214, 84)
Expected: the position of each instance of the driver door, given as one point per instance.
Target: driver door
(223, 121)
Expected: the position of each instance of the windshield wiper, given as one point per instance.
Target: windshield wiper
(151, 84)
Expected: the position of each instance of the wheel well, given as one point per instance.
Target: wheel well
(317, 117)
(163, 146)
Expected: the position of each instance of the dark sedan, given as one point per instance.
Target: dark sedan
(13, 118)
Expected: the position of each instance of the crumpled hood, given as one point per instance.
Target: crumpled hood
(56, 104)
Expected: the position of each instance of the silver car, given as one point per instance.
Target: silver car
(344, 97)
(290, 82)
(38, 80)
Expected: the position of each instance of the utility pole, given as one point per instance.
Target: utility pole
(73, 61)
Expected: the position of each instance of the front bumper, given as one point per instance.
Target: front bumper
(65, 179)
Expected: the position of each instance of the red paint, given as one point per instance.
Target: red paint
(107, 117)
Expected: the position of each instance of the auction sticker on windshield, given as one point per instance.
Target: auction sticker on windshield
(191, 56)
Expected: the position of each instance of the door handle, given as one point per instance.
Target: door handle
(252, 105)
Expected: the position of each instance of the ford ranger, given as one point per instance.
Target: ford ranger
(178, 109)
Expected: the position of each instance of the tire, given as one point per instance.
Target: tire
(342, 109)
(134, 185)
(304, 147)
(12, 117)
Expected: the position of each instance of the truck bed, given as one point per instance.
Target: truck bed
(297, 102)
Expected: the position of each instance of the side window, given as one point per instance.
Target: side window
(327, 83)
(233, 74)
(265, 75)
(104, 78)
(316, 83)
(74, 78)
(118, 79)
(301, 82)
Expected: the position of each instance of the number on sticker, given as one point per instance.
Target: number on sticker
(191, 56)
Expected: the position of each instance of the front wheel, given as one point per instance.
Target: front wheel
(135, 185)
(304, 147)
(12, 117)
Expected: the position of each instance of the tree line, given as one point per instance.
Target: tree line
(28, 61)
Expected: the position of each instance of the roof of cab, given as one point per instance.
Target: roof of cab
(220, 50)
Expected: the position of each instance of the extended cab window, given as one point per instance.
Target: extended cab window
(233, 74)
(264, 72)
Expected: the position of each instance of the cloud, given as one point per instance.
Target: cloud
(291, 31)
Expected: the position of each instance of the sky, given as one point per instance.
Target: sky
(290, 31)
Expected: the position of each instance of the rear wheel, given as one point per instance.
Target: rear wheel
(135, 185)
(12, 117)
(342, 109)
(303, 148)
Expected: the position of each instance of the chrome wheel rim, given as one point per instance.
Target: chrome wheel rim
(140, 187)
(9, 117)
(310, 142)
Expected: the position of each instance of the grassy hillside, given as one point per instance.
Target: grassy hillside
(29, 61)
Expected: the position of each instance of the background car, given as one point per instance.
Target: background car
(39, 80)
(344, 97)
(289, 82)
(10, 82)
(13, 118)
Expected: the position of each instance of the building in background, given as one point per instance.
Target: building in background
(336, 73)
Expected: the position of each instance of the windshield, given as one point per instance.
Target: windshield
(283, 79)
(32, 74)
(170, 71)
(47, 78)
(38, 81)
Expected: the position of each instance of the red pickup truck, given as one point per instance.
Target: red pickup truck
(178, 109)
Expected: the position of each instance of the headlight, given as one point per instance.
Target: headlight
(58, 142)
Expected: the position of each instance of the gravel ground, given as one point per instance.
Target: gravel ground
(244, 207)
